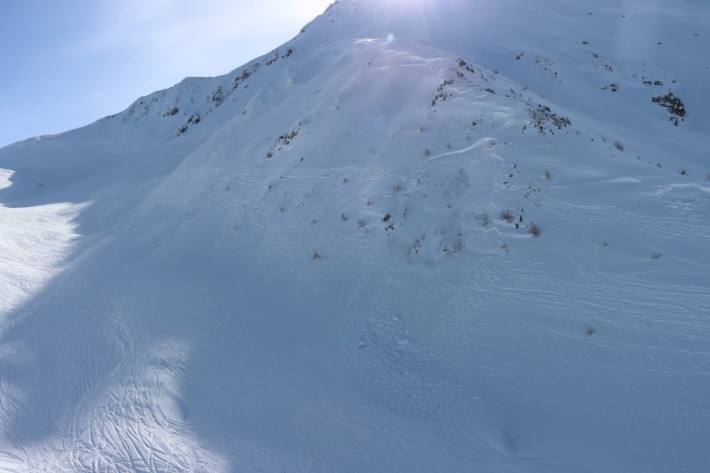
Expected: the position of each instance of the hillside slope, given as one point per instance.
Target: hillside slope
(421, 236)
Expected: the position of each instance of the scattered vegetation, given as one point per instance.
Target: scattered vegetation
(416, 246)
(534, 230)
(600, 63)
(507, 216)
(463, 65)
(243, 77)
(218, 97)
(282, 142)
(544, 119)
(451, 244)
(674, 105)
(193, 120)
(546, 64)
(441, 94)
(272, 59)
(288, 137)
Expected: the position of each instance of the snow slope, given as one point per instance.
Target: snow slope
(426, 235)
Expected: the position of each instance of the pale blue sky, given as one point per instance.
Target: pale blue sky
(64, 64)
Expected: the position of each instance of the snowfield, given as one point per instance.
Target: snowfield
(423, 236)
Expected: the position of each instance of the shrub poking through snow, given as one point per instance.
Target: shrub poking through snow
(534, 230)
(241, 78)
(272, 59)
(218, 97)
(441, 94)
(194, 119)
(674, 105)
(288, 137)
(282, 142)
(463, 65)
(545, 120)
(653, 83)
(507, 216)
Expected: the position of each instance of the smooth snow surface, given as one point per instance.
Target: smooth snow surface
(423, 236)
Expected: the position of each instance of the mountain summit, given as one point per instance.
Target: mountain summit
(425, 235)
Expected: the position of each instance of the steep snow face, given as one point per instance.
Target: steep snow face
(423, 235)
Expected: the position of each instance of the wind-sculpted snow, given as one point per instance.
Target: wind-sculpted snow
(421, 236)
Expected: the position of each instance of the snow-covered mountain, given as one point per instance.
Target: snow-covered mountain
(424, 235)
